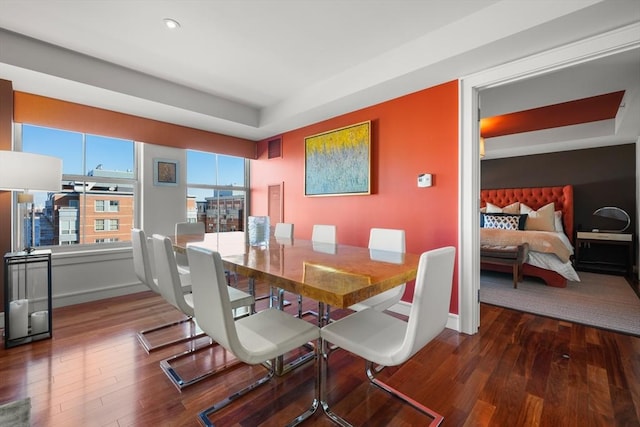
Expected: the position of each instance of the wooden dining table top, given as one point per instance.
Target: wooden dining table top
(338, 275)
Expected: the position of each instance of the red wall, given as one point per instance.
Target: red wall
(417, 133)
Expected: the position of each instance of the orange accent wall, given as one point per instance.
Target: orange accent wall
(6, 132)
(43, 111)
(586, 110)
(417, 133)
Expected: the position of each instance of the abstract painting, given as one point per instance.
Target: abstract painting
(338, 162)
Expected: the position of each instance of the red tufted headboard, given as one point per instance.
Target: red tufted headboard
(535, 198)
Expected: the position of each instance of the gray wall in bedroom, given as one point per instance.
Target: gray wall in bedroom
(604, 176)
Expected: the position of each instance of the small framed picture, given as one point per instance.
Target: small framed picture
(165, 172)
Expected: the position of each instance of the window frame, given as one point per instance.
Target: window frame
(216, 188)
(84, 216)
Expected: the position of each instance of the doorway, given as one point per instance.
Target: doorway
(469, 258)
(275, 200)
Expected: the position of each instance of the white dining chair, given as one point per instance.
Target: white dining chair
(169, 285)
(193, 228)
(324, 233)
(388, 240)
(324, 236)
(283, 234)
(255, 339)
(385, 340)
(283, 230)
(143, 268)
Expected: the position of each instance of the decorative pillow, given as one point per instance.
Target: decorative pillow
(503, 221)
(542, 220)
(558, 221)
(513, 208)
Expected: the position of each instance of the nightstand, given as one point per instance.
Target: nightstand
(610, 253)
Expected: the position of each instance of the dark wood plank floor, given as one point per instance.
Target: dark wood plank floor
(520, 370)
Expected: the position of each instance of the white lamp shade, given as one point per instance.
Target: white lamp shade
(26, 171)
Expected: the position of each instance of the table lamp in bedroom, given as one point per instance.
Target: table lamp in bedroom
(612, 212)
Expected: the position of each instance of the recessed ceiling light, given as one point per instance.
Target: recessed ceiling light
(171, 24)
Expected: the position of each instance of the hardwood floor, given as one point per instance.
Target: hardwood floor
(519, 370)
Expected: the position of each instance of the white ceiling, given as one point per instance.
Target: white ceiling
(257, 68)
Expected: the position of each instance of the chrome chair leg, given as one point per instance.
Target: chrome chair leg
(203, 416)
(148, 347)
(179, 381)
(437, 418)
(371, 370)
(315, 403)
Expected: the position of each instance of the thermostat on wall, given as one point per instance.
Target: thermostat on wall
(424, 180)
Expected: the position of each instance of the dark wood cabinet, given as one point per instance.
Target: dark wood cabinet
(610, 253)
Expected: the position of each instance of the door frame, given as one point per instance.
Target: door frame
(280, 203)
(609, 43)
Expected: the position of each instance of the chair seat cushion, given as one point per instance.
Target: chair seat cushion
(185, 282)
(382, 301)
(239, 298)
(270, 333)
(373, 335)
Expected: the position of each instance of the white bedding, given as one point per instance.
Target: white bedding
(545, 260)
(553, 263)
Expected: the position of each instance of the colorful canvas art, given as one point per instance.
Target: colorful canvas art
(338, 162)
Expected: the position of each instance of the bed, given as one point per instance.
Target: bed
(550, 249)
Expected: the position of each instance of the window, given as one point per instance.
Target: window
(98, 187)
(106, 224)
(107, 240)
(217, 191)
(107, 205)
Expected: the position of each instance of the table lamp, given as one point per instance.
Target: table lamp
(612, 212)
(29, 172)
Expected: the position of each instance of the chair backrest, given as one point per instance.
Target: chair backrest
(283, 230)
(211, 303)
(190, 228)
(387, 239)
(141, 259)
(168, 276)
(324, 233)
(431, 299)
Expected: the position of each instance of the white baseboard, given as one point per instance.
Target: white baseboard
(79, 297)
(403, 307)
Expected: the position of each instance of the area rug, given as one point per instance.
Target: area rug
(16, 413)
(598, 300)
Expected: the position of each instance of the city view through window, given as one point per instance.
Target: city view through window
(216, 193)
(97, 202)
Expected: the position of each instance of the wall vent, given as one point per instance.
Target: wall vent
(275, 148)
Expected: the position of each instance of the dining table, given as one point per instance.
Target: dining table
(334, 275)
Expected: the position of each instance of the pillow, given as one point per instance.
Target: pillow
(513, 208)
(503, 221)
(558, 222)
(542, 220)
